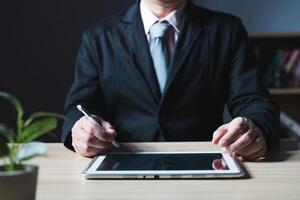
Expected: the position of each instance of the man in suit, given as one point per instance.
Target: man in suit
(163, 71)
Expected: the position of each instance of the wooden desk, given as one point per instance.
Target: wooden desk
(60, 178)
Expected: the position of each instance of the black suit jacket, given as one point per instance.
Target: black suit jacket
(213, 65)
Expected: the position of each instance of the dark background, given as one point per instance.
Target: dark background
(39, 41)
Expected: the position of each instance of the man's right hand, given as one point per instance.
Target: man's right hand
(88, 139)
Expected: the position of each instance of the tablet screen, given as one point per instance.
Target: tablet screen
(163, 161)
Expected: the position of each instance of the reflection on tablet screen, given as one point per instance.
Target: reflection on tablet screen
(184, 161)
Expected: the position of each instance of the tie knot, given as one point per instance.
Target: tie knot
(159, 29)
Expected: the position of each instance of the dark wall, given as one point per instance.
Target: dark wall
(38, 45)
(261, 15)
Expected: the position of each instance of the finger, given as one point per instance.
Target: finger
(258, 155)
(96, 130)
(253, 148)
(109, 128)
(101, 145)
(106, 125)
(97, 118)
(92, 141)
(78, 147)
(218, 134)
(105, 135)
(235, 129)
(88, 151)
(243, 141)
(232, 134)
(90, 126)
(217, 164)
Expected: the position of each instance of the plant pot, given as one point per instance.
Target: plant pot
(19, 184)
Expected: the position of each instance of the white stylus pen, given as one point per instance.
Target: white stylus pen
(88, 115)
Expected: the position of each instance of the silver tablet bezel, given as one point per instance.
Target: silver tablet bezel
(234, 169)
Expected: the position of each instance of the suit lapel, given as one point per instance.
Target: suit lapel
(139, 44)
(191, 31)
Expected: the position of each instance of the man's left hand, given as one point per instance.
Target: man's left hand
(241, 138)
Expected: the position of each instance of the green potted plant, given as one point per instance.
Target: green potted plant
(17, 180)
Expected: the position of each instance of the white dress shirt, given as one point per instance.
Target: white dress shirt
(174, 19)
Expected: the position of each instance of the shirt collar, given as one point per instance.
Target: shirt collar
(148, 18)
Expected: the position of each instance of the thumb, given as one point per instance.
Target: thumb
(98, 119)
(106, 125)
(109, 128)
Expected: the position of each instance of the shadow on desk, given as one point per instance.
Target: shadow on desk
(283, 150)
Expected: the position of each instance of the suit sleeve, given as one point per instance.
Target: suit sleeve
(248, 96)
(85, 89)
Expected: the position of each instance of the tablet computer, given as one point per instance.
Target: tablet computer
(156, 165)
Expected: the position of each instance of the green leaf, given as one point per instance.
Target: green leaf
(4, 130)
(4, 150)
(3, 140)
(31, 150)
(37, 115)
(14, 101)
(38, 128)
(20, 112)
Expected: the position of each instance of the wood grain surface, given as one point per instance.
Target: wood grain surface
(276, 178)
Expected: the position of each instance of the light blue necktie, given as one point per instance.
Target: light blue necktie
(159, 51)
